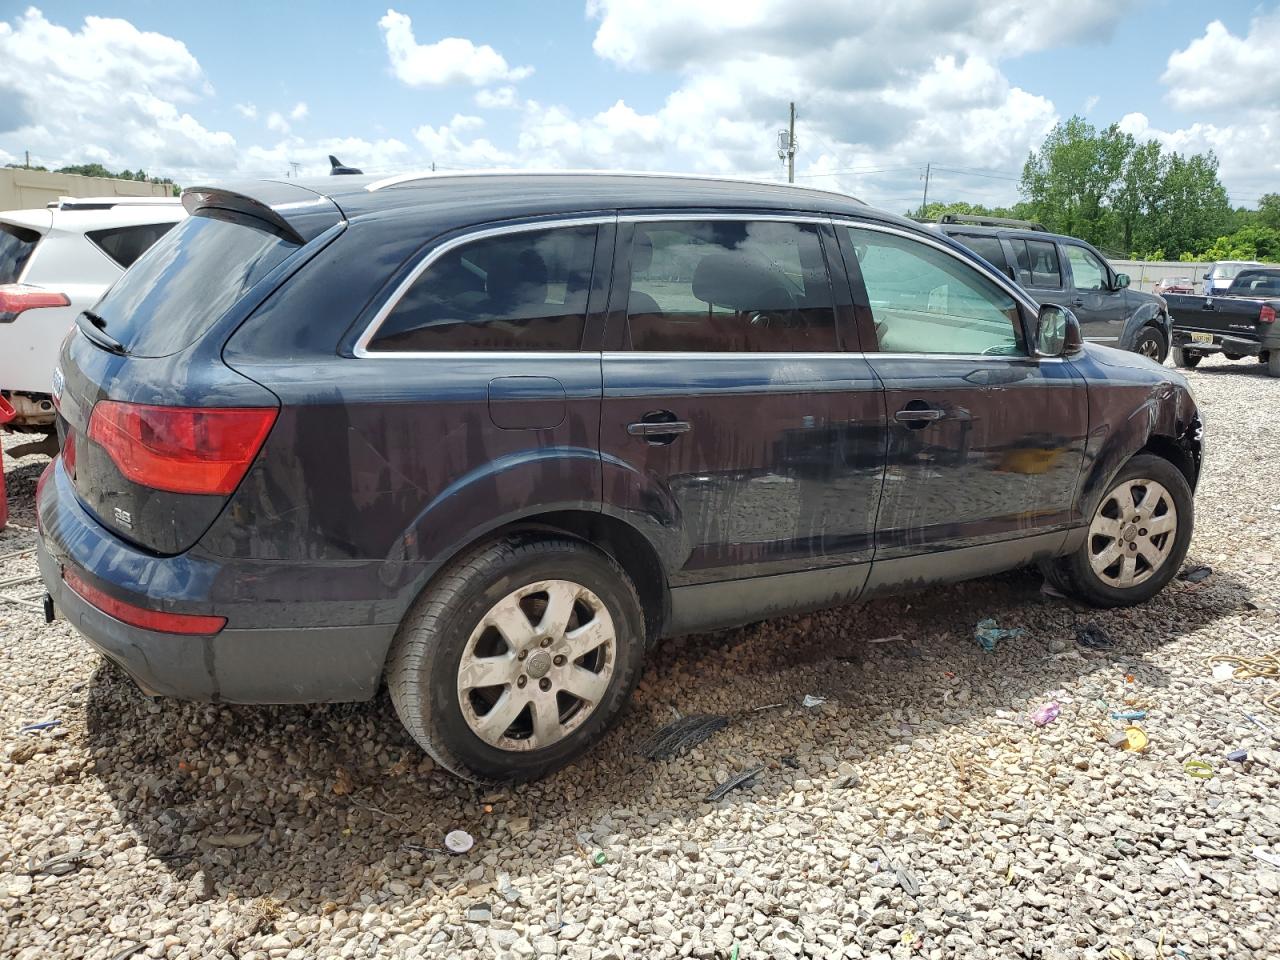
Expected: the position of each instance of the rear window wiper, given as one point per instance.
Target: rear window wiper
(94, 327)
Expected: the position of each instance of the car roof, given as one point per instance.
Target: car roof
(445, 201)
(976, 230)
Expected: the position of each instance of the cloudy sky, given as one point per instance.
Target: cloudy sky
(692, 85)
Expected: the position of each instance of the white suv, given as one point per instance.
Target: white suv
(55, 262)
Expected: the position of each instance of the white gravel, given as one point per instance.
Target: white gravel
(917, 813)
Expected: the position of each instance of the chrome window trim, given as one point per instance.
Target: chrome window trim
(361, 348)
(717, 215)
(826, 355)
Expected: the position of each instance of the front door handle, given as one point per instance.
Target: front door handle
(1078, 302)
(659, 427)
(919, 418)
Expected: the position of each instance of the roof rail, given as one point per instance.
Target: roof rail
(980, 220)
(106, 203)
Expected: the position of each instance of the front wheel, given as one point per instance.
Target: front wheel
(514, 662)
(1151, 344)
(1137, 537)
(1186, 359)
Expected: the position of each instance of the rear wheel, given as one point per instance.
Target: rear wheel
(1273, 363)
(1151, 344)
(1187, 359)
(514, 662)
(1137, 538)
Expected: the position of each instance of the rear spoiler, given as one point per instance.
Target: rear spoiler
(298, 213)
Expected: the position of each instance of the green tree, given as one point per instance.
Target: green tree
(1269, 210)
(1133, 196)
(1191, 206)
(1071, 179)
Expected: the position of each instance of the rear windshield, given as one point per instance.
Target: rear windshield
(16, 247)
(192, 276)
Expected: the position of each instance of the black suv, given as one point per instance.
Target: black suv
(486, 437)
(1071, 273)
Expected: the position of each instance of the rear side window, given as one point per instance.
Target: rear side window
(188, 279)
(1037, 262)
(726, 286)
(124, 245)
(516, 291)
(16, 246)
(988, 248)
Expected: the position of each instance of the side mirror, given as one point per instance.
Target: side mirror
(1122, 281)
(1057, 332)
(1205, 277)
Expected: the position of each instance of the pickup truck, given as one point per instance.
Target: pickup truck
(1239, 323)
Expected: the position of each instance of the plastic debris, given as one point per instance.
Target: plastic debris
(1135, 738)
(1195, 574)
(1256, 722)
(681, 736)
(600, 858)
(1238, 756)
(810, 701)
(1094, 637)
(458, 841)
(988, 633)
(42, 725)
(1198, 769)
(1223, 671)
(1128, 714)
(1266, 856)
(480, 913)
(892, 639)
(736, 949)
(733, 783)
(506, 889)
(1047, 713)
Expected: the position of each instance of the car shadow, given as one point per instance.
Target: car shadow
(1249, 367)
(328, 806)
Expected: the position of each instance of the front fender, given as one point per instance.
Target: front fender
(1133, 405)
(1146, 313)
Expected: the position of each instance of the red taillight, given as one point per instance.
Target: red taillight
(181, 449)
(1267, 314)
(187, 623)
(15, 298)
(69, 455)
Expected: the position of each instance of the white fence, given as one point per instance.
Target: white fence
(1145, 274)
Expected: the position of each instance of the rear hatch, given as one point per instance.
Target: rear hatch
(157, 430)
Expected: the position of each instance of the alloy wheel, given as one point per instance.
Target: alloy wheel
(1132, 533)
(1149, 349)
(537, 665)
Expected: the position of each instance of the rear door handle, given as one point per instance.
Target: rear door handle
(1078, 302)
(658, 429)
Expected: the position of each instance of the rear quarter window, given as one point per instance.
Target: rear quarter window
(125, 245)
(16, 246)
(188, 279)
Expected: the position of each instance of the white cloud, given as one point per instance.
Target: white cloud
(444, 146)
(501, 98)
(277, 122)
(247, 110)
(1222, 70)
(299, 112)
(451, 60)
(1091, 102)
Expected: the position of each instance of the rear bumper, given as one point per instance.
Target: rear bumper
(274, 664)
(1222, 343)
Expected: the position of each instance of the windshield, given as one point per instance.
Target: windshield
(1228, 271)
(192, 276)
(16, 246)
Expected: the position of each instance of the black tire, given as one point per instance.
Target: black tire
(1233, 356)
(1186, 359)
(1074, 575)
(1151, 343)
(422, 667)
(1273, 363)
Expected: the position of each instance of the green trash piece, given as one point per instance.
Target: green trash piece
(600, 859)
(734, 955)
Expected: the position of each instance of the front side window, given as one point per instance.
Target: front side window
(924, 300)
(1087, 271)
(729, 286)
(515, 291)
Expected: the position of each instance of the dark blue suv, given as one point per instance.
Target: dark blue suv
(487, 436)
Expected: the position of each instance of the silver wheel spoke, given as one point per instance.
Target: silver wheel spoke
(1150, 553)
(476, 672)
(1128, 567)
(494, 724)
(585, 685)
(561, 595)
(510, 621)
(1161, 524)
(1100, 561)
(547, 728)
(585, 639)
(1105, 526)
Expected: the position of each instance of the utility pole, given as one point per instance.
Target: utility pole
(27, 164)
(925, 202)
(787, 146)
(295, 164)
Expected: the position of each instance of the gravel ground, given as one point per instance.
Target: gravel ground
(917, 812)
